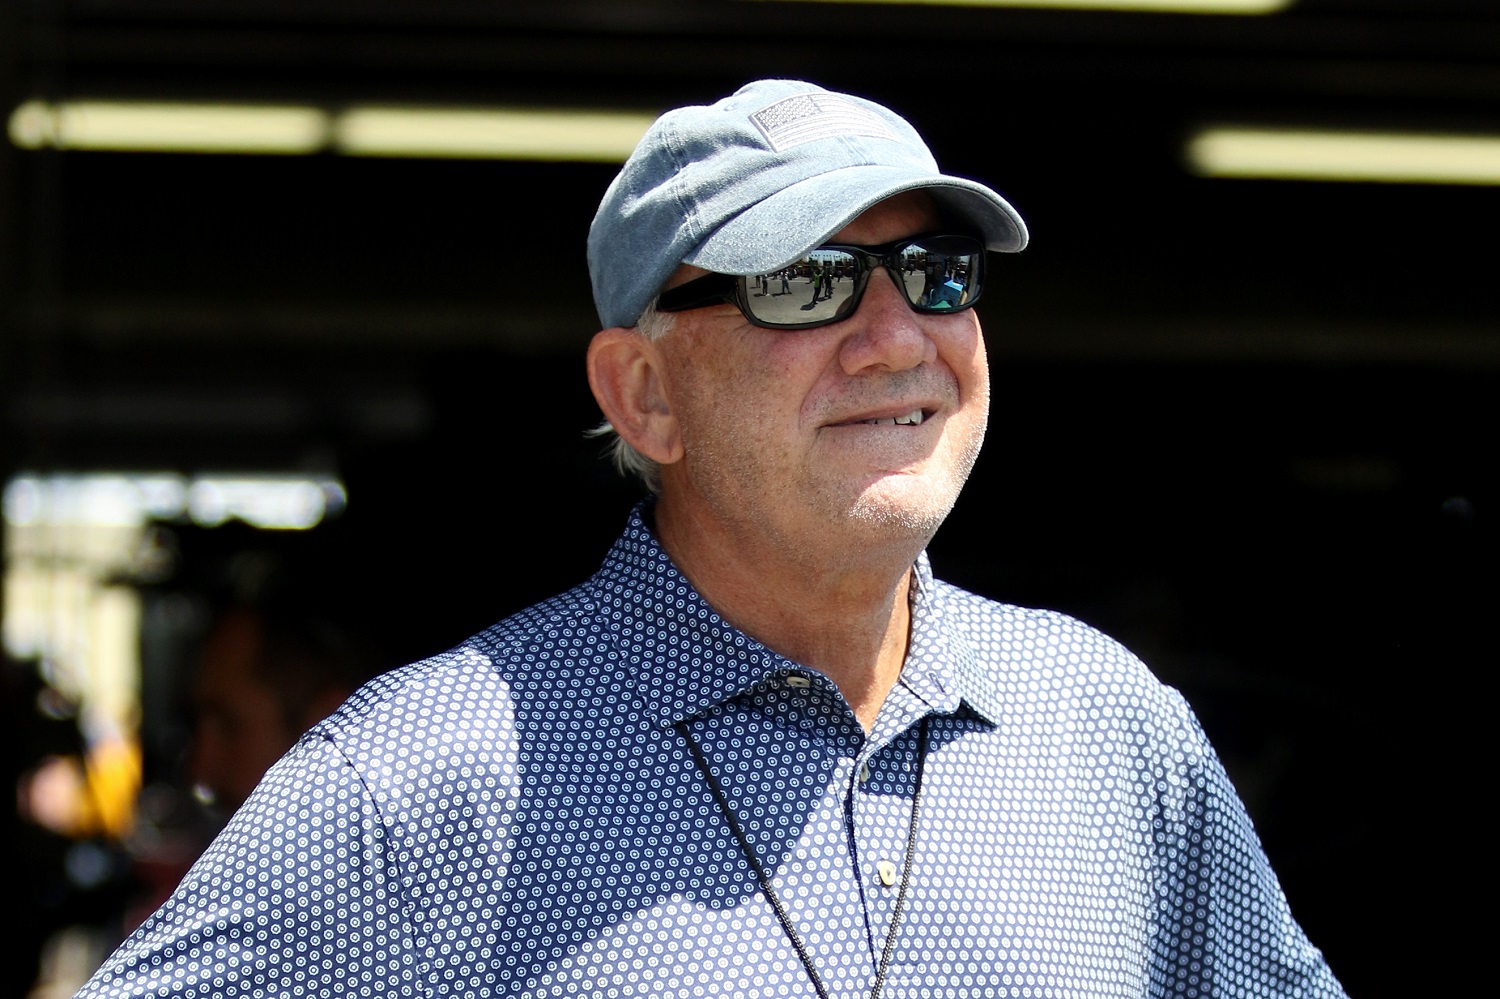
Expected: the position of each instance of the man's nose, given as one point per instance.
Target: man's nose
(885, 332)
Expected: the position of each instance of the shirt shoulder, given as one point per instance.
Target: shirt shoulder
(1030, 638)
(468, 694)
(1045, 663)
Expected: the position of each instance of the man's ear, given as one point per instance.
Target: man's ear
(625, 373)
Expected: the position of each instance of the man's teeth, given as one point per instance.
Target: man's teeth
(909, 420)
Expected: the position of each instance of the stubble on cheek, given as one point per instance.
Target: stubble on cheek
(917, 505)
(763, 478)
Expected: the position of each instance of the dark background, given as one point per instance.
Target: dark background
(1239, 425)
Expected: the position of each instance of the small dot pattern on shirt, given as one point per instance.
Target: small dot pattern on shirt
(519, 817)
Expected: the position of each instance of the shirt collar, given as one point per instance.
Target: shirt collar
(690, 659)
(942, 666)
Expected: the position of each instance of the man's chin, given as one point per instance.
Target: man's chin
(908, 505)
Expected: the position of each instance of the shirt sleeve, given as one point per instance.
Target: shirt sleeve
(1224, 926)
(297, 896)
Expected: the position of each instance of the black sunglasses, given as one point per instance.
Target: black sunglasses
(936, 273)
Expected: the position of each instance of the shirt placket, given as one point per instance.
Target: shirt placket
(879, 808)
(785, 755)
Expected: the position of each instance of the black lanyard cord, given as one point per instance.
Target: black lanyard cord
(906, 868)
(775, 899)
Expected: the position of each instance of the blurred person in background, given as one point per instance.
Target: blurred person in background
(268, 672)
(270, 633)
(284, 644)
(65, 816)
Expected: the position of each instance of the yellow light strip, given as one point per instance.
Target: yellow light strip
(177, 128)
(494, 134)
(116, 126)
(1383, 157)
(1135, 6)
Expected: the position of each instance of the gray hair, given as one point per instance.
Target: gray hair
(628, 461)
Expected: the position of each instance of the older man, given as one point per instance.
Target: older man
(763, 751)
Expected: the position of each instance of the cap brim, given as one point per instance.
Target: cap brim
(778, 230)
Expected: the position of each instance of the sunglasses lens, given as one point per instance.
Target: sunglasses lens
(936, 273)
(942, 272)
(816, 289)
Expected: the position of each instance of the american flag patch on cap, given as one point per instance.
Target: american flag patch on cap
(807, 117)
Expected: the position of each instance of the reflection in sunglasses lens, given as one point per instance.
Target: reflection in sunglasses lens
(934, 274)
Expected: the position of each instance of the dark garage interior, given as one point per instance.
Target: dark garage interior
(1237, 423)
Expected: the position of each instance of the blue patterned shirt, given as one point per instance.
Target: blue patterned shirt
(523, 816)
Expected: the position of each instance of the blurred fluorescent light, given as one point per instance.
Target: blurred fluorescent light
(281, 502)
(1138, 6)
(570, 135)
(263, 501)
(178, 128)
(1384, 157)
(490, 134)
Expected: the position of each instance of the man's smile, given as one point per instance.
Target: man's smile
(903, 414)
(913, 418)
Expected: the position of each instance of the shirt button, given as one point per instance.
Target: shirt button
(864, 774)
(798, 682)
(887, 872)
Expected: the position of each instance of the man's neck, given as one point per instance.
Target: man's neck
(850, 622)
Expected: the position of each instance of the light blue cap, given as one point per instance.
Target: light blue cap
(751, 183)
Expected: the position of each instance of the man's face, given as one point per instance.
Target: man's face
(788, 435)
(239, 726)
